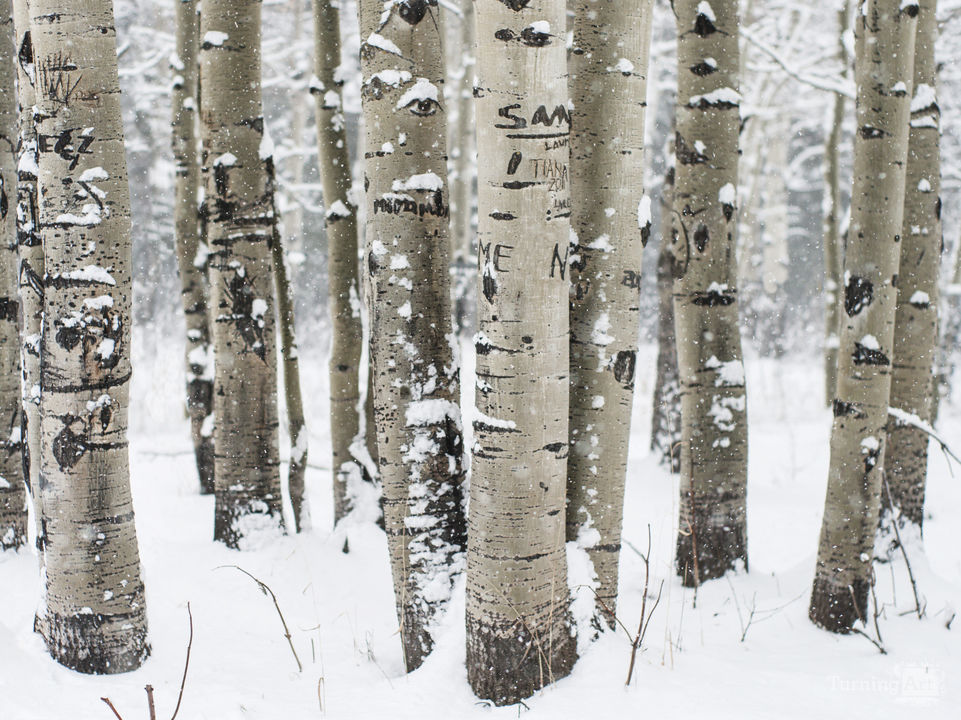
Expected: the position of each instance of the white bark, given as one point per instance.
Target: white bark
(93, 613)
(416, 378)
(240, 226)
(191, 252)
(885, 32)
(916, 318)
(518, 625)
(611, 222)
(712, 536)
(13, 507)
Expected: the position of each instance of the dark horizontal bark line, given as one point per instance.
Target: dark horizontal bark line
(103, 384)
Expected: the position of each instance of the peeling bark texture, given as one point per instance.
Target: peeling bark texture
(296, 422)
(460, 68)
(611, 220)
(916, 318)
(350, 456)
(884, 40)
(833, 247)
(712, 530)
(240, 228)
(666, 414)
(30, 264)
(13, 500)
(518, 620)
(416, 370)
(92, 614)
(191, 252)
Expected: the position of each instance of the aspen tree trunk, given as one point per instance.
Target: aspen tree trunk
(712, 535)
(611, 221)
(346, 437)
(240, 227)
(916, 318)
(883, 74)
(293, 221)
(518, 622)
(30, 271)
(461, 72)
(950, 337)
(93, 613)
(832, 220)
(191, 253)
(416, 374)
(296, 423)
(666, 416)
(13, 501)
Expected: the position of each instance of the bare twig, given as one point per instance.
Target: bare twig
(645, 616)
(183, 681)
(859, 631)
(151, 707)
(110, 705)
(265, 589)
(904, 552)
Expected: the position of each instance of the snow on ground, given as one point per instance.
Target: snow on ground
(340, 606)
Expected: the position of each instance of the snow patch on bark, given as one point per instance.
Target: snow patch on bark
(421, 91)
(90, 273)
(380, 42)
(215, 38)
(425, 181)
(582, 581)
(704, 8)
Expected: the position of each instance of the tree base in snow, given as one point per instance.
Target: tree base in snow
(709, 550)
(836, 606)
(248, 524)
(96, 644)
(506, 665)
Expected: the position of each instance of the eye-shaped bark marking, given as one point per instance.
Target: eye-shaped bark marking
(533, 37)
(516, 5)
(858, 293)
(423, 107)
(624, 365)
(701, 237)
(869, 356)
(246, 315)
(69, 446)
(413, 11)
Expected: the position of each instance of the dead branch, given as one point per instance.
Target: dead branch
(151, 707)
(183, 681)
(265, 589)
(645, 616)
(904, 552)
(110, 705)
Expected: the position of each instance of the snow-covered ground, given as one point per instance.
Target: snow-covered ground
(745, 649)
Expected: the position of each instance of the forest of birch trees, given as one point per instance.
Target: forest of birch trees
(356, 196)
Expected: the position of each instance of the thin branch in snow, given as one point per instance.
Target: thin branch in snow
(265, 589)
(110, 705)
(904, 552)
(183, 681)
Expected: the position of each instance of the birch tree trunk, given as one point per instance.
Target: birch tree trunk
(416, 373)
(461, 72)
(883, 74)
(916, 318)
(518, 622)
(13, 501)
(611, 221)
(666, 415)
(296, 423)
(30, 271)
(712, 535)
(346, 437)
(191, 252)
(832, 219)
(93, 614)
(240, 226)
